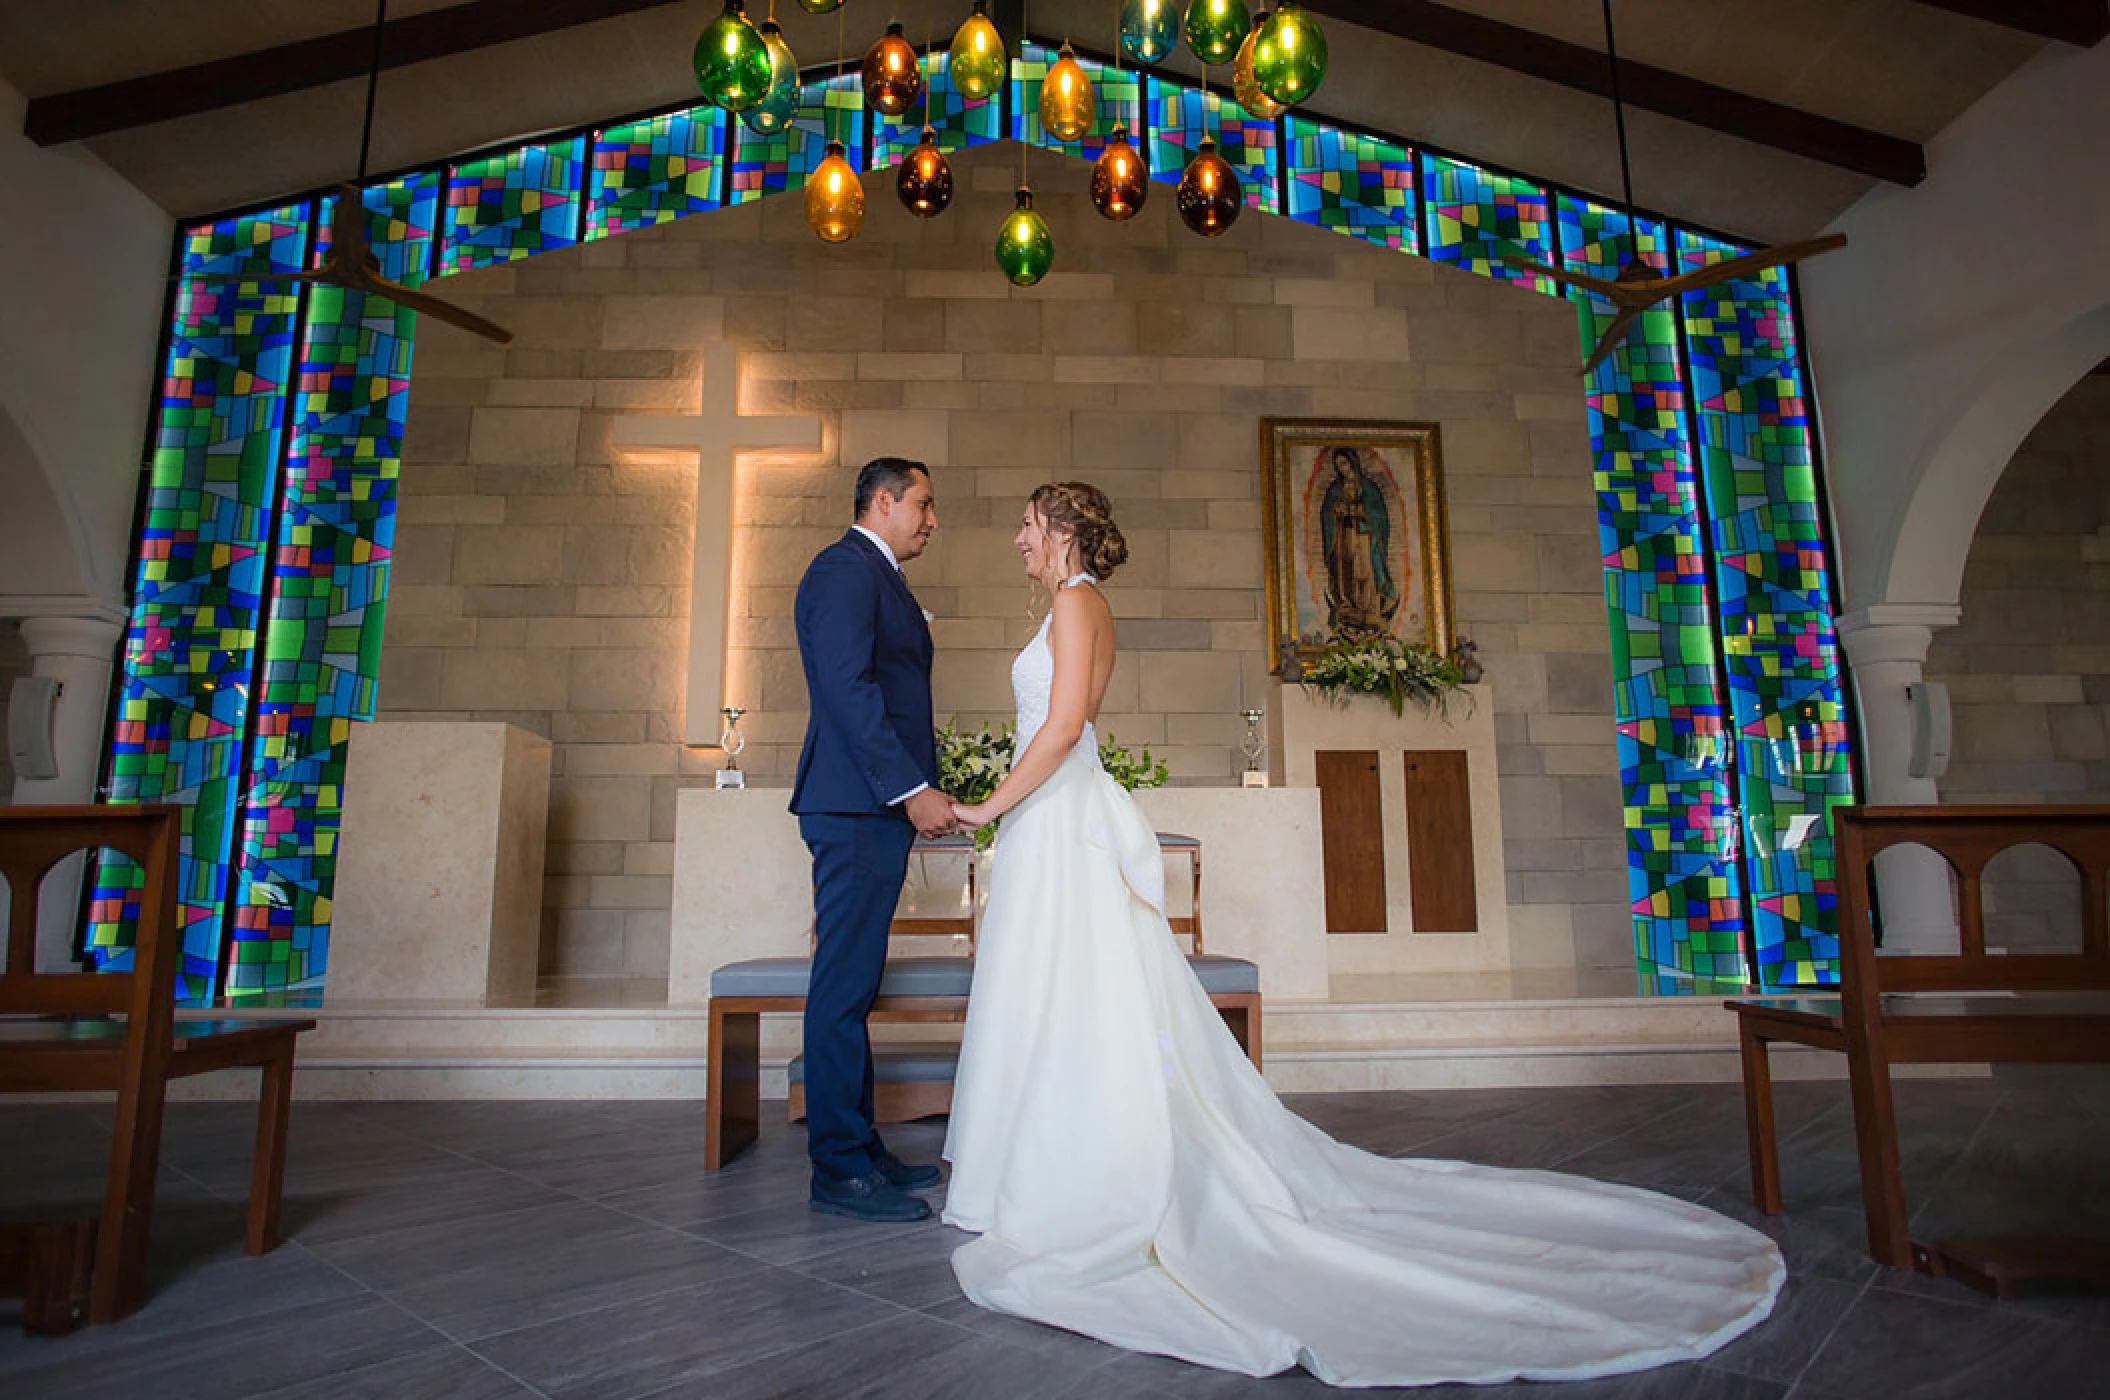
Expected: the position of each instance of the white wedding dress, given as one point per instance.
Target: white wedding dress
(1133, 1178)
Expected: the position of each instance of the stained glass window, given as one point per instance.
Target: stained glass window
(183, 702)
(959, 121)
(1181, 117)
(766, 165)
(1683, 879)
(506, 207)
(648, 172)
(1355, 184)
(1476, 218)
(1119, 95)
(1781, 652)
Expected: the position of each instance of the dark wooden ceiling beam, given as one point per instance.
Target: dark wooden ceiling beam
(307, 63)
(2082, 22)
(1657, 90)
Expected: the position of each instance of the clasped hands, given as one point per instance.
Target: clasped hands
(934, 813)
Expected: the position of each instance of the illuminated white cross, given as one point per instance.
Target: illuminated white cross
(716, 433)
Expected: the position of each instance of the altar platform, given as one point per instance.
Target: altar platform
(611, 1038)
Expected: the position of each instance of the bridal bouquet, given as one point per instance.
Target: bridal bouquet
(1398, 671)
(970, 765)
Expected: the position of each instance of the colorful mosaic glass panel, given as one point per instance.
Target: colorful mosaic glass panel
(1685, 887)
(1780, 650)
(402, 222)
(322, 644)
(1351, 183)
(1118, 94)
(507, 207)
(960, 121)
(184, 692)
(1475, 218)
(766, 165)
(1181, 117)
(650, 172)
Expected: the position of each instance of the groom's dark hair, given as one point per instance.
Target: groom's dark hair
(893, 475)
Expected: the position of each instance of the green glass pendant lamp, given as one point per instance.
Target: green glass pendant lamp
(781, 103)
(1025, 250)
(1215, 28)
(733, 68)
(1289, 54)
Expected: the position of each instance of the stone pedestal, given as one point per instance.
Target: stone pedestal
(743, 885)
(1301, 724)
(439, 875)
(1263, 891)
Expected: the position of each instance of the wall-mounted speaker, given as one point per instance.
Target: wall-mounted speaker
(32, 713)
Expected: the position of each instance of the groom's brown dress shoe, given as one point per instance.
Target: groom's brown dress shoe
(867, 1197)
(905, 1176)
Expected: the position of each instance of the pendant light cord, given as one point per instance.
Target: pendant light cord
(1626, 169)
(373, 81)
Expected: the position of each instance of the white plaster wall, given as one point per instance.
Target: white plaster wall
(83, 258)
(1960, 313)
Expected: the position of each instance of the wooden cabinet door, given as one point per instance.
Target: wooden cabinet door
(1352, 834)
(1440, 842)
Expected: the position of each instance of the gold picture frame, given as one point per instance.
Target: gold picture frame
(1378, 487)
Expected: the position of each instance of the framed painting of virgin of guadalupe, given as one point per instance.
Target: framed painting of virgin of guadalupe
(1353, 518)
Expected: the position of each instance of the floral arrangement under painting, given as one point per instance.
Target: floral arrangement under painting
(970, 765)
(1395, 670)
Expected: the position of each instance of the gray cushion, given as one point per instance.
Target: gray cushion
(935, 977)
(1173, 841)
(786, 977)
(900, 1064)
(1221, 976)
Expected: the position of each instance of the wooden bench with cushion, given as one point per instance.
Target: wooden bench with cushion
(1973, 1006)
(910, 989)
(72, 1032)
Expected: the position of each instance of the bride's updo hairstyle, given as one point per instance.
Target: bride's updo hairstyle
(1081, 511)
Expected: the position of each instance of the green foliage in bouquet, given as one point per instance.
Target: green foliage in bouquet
(970, 765)
(1398, 671)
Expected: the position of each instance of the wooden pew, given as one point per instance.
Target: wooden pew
(1972, 1006)
(61, 1032)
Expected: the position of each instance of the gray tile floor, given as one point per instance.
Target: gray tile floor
(480, 1251)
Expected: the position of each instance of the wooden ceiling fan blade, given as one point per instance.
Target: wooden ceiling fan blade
(1745, 264)
(348, 222)
(439, 310)
(1614, 335)
(1601, 286)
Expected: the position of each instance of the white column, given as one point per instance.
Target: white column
(1887, 645)
(79, 653)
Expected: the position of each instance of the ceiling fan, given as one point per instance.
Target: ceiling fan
(1639, 285)
(349, 262)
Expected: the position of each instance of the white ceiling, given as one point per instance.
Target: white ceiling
(1895, 66)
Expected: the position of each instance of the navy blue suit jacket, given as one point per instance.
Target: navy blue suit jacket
(866, 651)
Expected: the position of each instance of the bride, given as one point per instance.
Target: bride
(1133, 1178)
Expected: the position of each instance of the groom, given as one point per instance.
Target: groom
(866, 785)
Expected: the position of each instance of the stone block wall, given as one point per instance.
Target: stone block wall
(2028, 666)
(542, 577)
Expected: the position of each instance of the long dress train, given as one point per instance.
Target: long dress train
(1133, 1178)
